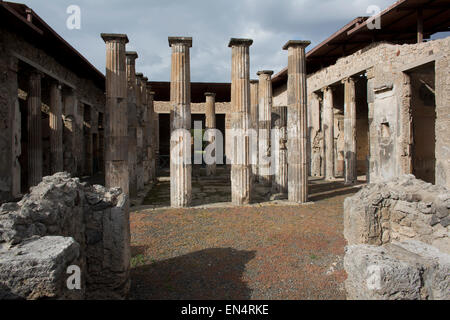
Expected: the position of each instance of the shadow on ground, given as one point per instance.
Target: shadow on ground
(214, 273)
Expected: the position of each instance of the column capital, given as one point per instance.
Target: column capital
(187, 41)
(268, 72)
(254, 81)
(145, 79)
(327, 88)
(140, 76)
(235, 42)
(348, 79)
(114, 37)
(210, 94)
(296, 43)
(131, 56)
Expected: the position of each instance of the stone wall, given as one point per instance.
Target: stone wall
(398, 235)
(63, 222)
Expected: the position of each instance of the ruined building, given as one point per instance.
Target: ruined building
(371, 102)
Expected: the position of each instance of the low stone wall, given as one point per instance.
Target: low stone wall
(60, 223)
(398, 241)
(401, 209)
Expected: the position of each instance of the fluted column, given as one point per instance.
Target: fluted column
(264, 125)
(254, 116)
(145, 134)
(70, 131)
(315, 139)
(241, 170)
(131, 57)
(116, 132)
(180, 114)
(280, 181)
(56, 128)
(211, 125)
(297, 122)
(34, 129)
(141, 102)
(328, 130)
(151, 139)
(349, 131)
(94, 137)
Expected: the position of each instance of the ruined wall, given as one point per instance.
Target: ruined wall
(398, 235)
(13, 49)
(63, 222)
(389, 115)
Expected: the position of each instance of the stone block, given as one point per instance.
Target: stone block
(37, 269)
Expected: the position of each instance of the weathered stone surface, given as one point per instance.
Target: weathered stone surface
(399, 209)
(37, 269)
(95, 217)
(401, 270)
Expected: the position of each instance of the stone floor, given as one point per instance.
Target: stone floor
(267, 250)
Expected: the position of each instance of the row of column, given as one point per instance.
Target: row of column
(130, 160)
(65, 124)
(350, 173)
(242, 104)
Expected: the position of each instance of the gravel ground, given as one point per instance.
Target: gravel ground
(268, 251)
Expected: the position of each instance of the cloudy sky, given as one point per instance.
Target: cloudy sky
(211, 23)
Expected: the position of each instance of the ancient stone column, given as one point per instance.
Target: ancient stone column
(315, 138)
(151, 135)
(211, 125)
(349, 131)
(328, 130)
(180, 114)
(241, 170)
(297, 122)
(116, 131)
(56, 128)
(264, 125)
(145, 135)
(254, 116)
(34, 129)
(69, 131)
(94, 140)
(131, 57)
(140, 105)
(280, 181)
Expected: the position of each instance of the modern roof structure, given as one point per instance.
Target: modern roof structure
(403, 22)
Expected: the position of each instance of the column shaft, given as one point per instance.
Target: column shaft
(240, 121)
(132, 120)
(254, 115)
(56, 128)
(349, 131)
(280, 181)
(116, 132)
(151, 139)
(180, 113)
(211, 125)
(328, 126)
(264, 126)
(141, 103)
(297, 122)
(34, 129)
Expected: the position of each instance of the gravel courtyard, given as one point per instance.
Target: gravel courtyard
(271, 250)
